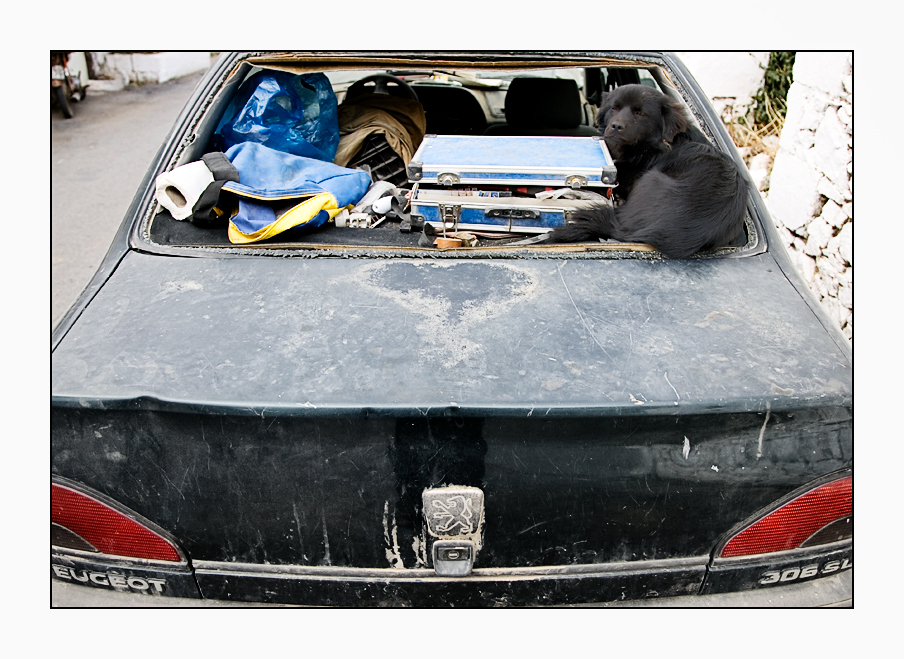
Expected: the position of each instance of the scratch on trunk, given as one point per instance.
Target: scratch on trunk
(298, 530)
(326, 539)
(419, 547)
(670, 384)
(759, 448)
(393, 555)
(580, 315)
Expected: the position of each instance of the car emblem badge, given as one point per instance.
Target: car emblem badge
(454, 517)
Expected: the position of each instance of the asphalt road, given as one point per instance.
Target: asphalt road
(97, 161)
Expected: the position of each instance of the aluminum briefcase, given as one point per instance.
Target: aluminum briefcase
(481, 182)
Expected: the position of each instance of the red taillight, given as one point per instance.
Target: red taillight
(107, 529)
(792, 524)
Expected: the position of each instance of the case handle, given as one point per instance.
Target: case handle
(513, 213)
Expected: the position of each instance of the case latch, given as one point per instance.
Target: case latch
(448, 215)
(448, 179)
(575, 181)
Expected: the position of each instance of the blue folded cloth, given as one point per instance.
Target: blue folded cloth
(280, 191)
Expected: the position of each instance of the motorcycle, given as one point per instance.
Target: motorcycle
(64, 85)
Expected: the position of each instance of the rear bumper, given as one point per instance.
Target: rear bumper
(833, 591)
(836, 591)
(797, 578)
(815, 577)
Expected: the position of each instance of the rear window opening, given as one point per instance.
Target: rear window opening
(385, 116)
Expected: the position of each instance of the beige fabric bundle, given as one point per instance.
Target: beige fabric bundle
(401, 120)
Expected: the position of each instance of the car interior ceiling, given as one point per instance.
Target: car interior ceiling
(529, 103)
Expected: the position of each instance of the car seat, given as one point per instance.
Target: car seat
(543, 106)
(451, 110)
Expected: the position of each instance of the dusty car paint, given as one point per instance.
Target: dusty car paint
(637, 336)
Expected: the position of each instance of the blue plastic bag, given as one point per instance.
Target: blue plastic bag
(295, 114)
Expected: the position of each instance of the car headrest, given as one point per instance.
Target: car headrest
(543, 102)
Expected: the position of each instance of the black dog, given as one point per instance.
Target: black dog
(680, 194)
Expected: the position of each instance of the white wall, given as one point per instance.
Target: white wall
(730, 79)
(140, 68)
(811, 188)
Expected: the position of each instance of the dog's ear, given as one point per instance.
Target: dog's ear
(674, 119)
(605, 106)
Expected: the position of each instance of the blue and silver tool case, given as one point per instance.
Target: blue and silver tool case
(450, 210)
(501, 160)
(478, 183)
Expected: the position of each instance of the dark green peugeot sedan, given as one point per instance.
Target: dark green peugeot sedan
(332, 359)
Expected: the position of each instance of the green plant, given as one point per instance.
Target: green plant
(770, 99)
(758, 130)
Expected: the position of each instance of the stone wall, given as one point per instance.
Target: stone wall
(811, 185)
(729, 79)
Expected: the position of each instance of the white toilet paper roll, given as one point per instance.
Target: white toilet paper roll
(178, 190)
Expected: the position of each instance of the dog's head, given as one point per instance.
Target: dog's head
(639, 116)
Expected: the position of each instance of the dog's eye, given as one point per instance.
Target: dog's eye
(638, 112)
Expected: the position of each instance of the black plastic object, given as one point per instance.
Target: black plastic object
(206, 213)
(384, 163)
